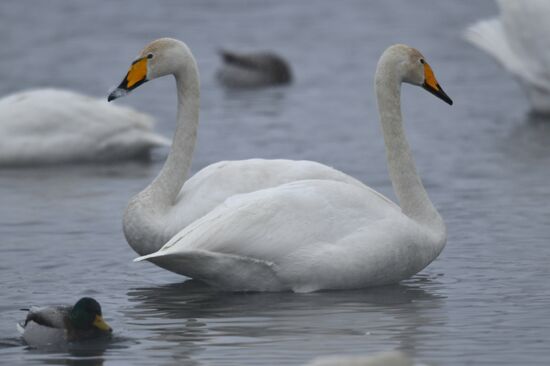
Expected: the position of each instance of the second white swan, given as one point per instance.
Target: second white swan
(518, 40)
(53, 126)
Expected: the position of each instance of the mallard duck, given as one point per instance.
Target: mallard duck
(249, 70)
(56, 324)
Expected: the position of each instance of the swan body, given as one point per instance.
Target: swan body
(253, 69)
(209, 188)
(49, 126)
(518, 40)
(314, 232)
(302, 236)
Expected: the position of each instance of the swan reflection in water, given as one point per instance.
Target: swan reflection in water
(529, 140)
(194, 320)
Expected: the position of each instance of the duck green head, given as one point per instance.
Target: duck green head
(86, 315)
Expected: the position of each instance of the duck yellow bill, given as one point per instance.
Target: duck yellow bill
(137, 75)
(101, 324)
(431, 84)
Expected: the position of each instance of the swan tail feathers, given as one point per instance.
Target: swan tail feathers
(488, 35)
(134, 143)
(226, 271)
(133, 138)
(156, 140)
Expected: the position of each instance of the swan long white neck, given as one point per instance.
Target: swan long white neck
(145, 216)
(165, 188)
(412, 196)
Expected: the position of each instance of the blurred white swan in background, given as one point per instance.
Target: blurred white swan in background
(304, 235)
(519, 39)
(50, 126)
(248, 70)
(392, 358)
(171, 202)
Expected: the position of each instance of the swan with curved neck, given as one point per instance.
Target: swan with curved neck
(314, 234)
(172, 202)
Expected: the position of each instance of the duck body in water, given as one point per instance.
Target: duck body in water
(252, 70)
(55, 325)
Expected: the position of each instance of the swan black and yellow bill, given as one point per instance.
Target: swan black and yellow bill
(100, 324)
(137, 75)
(431, 85)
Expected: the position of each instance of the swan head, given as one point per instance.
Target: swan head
(161, 57)
(412, 68)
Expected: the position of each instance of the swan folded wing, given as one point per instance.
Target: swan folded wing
(294, 226)
(526, 26)
(227, 271)
(130, 142)
(517, 40)
(212, 185)
(489, 36)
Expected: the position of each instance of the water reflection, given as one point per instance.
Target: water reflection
(193, 315)
(85, 354)
(529, 140)
(266, 103)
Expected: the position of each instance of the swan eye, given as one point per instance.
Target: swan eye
(150, 56)
(422, 61)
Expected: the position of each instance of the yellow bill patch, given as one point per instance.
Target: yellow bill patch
(137, 72)
(101, 324)
(429, 77)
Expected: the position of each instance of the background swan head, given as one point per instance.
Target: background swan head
(408, 65)
(161, 57)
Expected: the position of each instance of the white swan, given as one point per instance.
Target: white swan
(391, 358)
(249, 70)
(49, 126)
(518, 40)
(317, 234)
(168, 205)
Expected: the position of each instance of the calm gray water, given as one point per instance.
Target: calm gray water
(485, 162)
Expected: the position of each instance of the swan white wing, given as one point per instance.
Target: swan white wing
(305, 235)
(526, 27)
(518, 40)
(212, 185)
(49, 126)
(489, 36)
